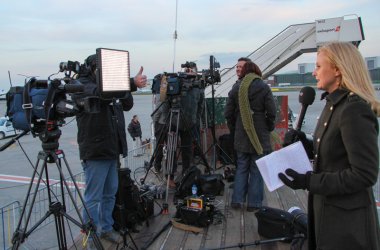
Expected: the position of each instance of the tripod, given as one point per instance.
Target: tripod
(170, 133)
(57, 208)
(214, 144)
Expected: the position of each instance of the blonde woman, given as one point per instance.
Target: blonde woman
(342, 209)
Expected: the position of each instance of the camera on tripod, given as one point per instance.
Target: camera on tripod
(211, 75)
(188, 64)
(172, 84)
(32, 106)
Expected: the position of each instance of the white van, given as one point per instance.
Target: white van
(6, 128)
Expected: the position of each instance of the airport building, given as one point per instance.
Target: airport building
(303, 76)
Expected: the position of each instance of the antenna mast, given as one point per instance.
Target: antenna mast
(10, 79)
(175, 35)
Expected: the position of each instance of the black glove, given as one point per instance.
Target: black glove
(134, 139)
(300, 181)
(293, 136)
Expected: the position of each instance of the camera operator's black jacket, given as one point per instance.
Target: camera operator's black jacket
(102, 136)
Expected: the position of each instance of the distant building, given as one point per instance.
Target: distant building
(304, 68)
(372, 62)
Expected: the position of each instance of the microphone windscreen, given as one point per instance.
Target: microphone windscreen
(306, 95)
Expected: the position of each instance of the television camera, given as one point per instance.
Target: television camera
(212, 75)
(42, 103)
(172, 84)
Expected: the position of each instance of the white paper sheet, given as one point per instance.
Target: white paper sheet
(293, 156)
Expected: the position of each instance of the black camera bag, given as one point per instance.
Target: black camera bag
(196, 217)
(211, 184)
(199, 217)
(190, 176)
(131, 208)
(274, 223)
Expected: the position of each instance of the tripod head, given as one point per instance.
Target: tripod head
(50, 137)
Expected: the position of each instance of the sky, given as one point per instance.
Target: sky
(37, 35)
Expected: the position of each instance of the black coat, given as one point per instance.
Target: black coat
(263, 109)
(101, 136)
(342, 208)
(134, 129)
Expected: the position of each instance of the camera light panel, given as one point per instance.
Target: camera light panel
(114, 70)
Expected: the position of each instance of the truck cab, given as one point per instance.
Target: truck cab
(6, 128)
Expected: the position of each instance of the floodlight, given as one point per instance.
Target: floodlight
(113, 73)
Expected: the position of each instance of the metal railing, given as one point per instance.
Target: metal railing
(138, 159)
(10, 214)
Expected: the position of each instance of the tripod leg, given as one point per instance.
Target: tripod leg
(21, 234)
(60, 229)
(90, 227)
(133, 242)
(157, 153)
(172, 145)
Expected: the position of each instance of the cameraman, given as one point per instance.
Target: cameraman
(102, 139)
(188, 101)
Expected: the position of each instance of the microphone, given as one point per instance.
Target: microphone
(306, 97)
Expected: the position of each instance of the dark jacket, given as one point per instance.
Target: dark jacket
(342, 209)
(101, 136)
(134, 129)
(189, 103)
(263, 109)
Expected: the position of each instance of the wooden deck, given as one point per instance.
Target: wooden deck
(238, 228)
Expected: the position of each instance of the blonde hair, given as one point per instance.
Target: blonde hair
(355, 76)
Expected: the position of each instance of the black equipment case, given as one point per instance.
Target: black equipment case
(274, 223)
(211, 184)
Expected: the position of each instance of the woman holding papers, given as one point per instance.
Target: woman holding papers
(342, 209)
(250, 112)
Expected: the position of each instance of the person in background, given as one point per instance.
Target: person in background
(134, 129)
(250, 113)
(342, 210)
(102, 139)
